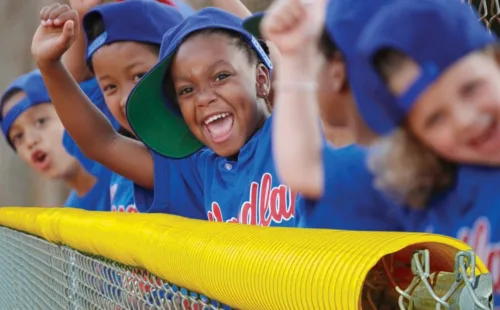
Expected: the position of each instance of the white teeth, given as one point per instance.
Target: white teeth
(215, 117)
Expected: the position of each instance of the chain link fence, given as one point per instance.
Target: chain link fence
(36, 274)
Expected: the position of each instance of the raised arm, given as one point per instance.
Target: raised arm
(90, 129)
(294, 27)
(74, 58)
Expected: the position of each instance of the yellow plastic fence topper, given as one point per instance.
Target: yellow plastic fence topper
(250, 267)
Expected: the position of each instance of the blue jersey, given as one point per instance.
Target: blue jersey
(244, 190)
(468, 212)
(121, 192)
(349, 201)
(97, 199)
(184, 200)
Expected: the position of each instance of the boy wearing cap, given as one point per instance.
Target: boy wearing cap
(31, 126)
(123, 41)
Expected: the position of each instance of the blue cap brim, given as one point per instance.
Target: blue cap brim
(371, 111)
(154, 122)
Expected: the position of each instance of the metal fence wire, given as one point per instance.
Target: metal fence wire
(36, 274)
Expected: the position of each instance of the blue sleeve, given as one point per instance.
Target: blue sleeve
(178, 188)
(97, 199)
(349, 199)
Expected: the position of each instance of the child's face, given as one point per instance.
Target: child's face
(333, 97)
(37, 137)
(459, 115)
(118, 67)
(217, 91)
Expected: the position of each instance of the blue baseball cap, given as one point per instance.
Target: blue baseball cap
(33, 86)
(153, 115)
(345, 21)
(132, 20)
(435, 34)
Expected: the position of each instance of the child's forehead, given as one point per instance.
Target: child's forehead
(123, 52)
(200, 44)
(36, 110)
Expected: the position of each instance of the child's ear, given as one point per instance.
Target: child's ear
(263, 81)
(337, 73)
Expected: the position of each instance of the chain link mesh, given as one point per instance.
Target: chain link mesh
(489, 12)
(36, 274)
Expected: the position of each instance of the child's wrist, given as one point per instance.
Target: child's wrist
(46, 64)
(298, 68)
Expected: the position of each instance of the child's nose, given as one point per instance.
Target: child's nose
(466, 121)
(206, 97)
(32, 139)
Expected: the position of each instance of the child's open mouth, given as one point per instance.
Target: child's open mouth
(219, 126)
(40, 159)
(489, 140)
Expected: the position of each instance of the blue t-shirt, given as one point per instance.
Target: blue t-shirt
(349, 200)
(97, 199)
(244, 190)
(469, 212)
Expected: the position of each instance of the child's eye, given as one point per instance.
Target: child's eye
(138, 77)
(434, 119)
(16, 138)
(185, 91)
(221, 76)
(108, 88)
(470, 88)
(41, 121)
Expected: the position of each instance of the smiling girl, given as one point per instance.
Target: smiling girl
(431, 69)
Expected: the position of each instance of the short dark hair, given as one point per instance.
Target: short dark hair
(6, 97)
(327, 45)
(387, 61)
(237, 40)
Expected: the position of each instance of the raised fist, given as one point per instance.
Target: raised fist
(294, 25)
(59, 25)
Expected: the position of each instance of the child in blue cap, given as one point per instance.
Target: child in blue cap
(219, 98)
(324, 175)
(236, 182)
(436, 76)
(440, 196)
(31, 126)
(123, 44)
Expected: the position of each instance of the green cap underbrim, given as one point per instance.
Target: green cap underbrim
(252, 25)
(158, 127)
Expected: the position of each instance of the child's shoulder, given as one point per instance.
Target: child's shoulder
(473, 184)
